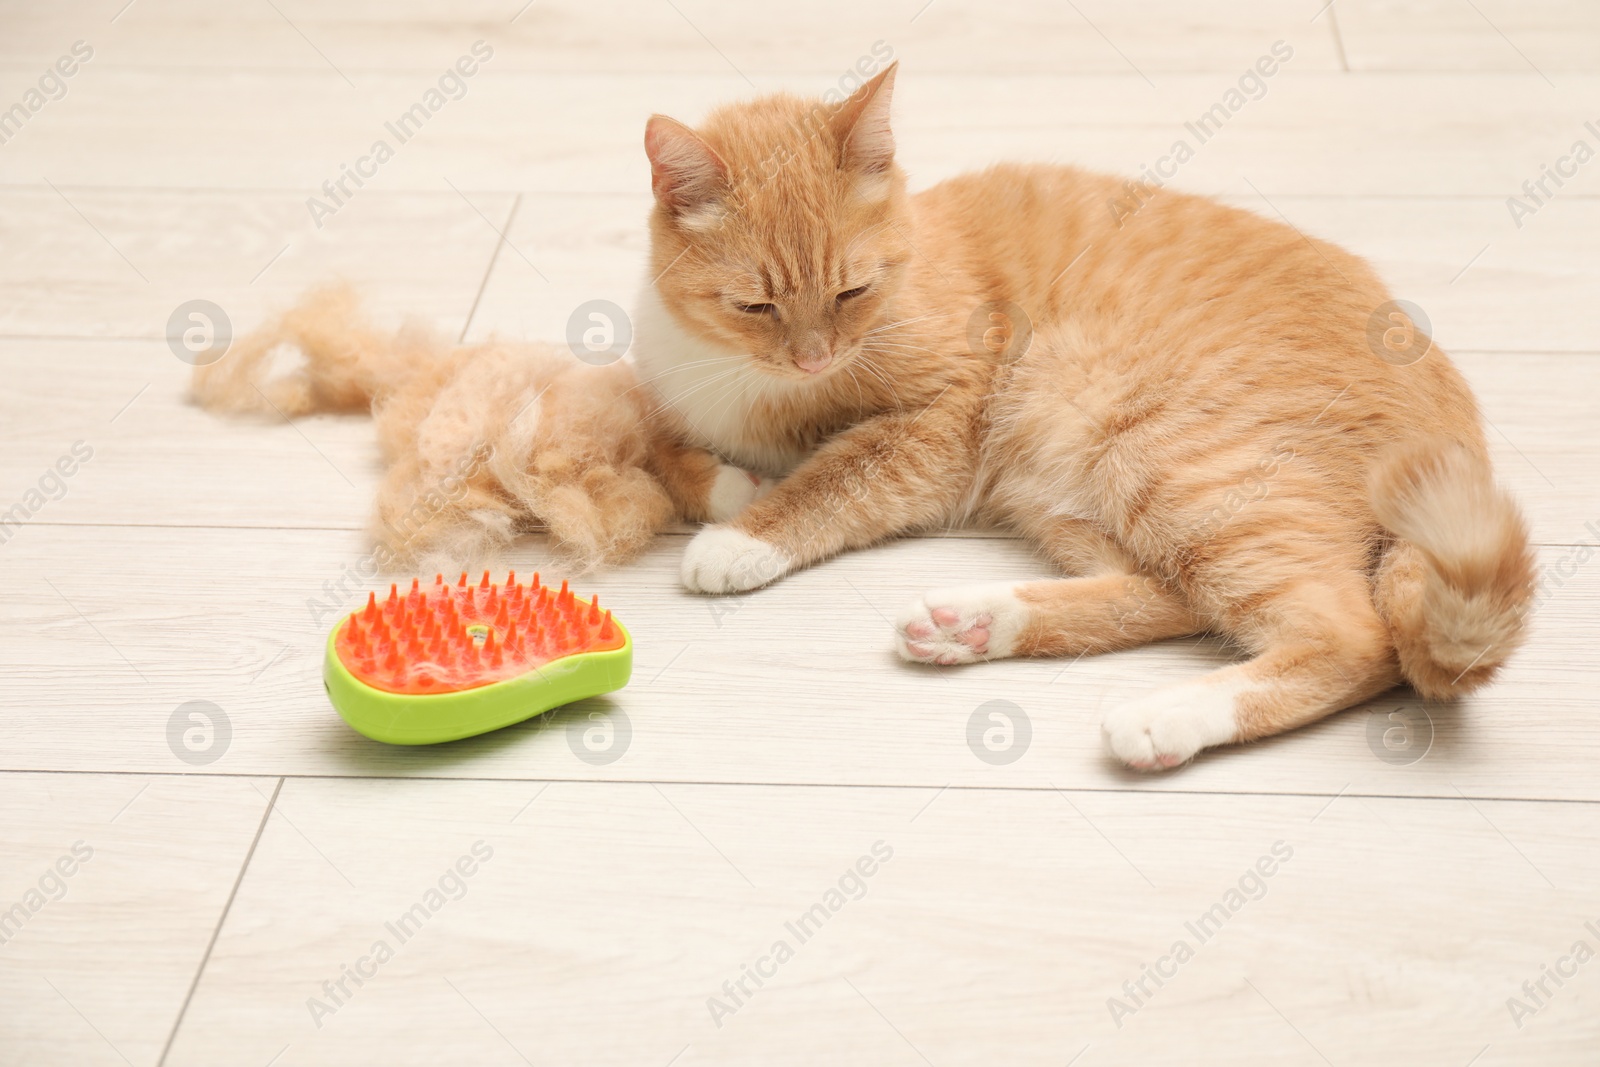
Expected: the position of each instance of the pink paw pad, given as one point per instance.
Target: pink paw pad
(945, 637)
(1160, 763)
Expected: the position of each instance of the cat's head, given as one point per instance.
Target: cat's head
(778, 226)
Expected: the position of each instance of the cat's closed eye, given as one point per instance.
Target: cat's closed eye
(759, 309)
(851, 294)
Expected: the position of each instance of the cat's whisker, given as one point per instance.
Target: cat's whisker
(726, 397)
(728, 381)
(860, 396)
(884, 346)
(692, 363)
(676, 403)
(893, 325)
(867, 365)
(676, 400)
(678, 367)
(700, 385)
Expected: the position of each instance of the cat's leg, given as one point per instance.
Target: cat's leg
(1075, 545)
(882, 477)
(1054, 617)
(1320, 646)
(703, 488)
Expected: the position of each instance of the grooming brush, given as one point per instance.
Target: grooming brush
(441, 662)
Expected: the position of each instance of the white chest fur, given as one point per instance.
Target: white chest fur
(718, 392)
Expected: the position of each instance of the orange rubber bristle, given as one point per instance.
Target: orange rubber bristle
(459, 637)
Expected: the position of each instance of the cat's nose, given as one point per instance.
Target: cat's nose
(815, 361)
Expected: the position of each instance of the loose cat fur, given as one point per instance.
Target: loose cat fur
(1198, 431)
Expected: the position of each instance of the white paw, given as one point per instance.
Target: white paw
(720, 559)
(961, 624)
(1166, 728)
(733, 490)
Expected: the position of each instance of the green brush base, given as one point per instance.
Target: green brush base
(432, 718)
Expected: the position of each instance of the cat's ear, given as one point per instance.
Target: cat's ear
(861, 125)
(686, 174)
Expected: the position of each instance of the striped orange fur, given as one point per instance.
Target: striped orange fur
(1183, 407)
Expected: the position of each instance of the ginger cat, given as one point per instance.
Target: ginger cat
(1195, 426)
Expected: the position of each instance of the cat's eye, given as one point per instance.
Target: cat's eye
(759, 309)
(851, 294)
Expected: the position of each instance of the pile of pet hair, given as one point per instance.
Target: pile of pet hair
(481, 442)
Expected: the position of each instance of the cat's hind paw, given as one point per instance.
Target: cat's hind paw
(1170, 726)
(962, 624)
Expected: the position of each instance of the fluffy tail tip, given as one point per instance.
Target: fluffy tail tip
(1465, 611)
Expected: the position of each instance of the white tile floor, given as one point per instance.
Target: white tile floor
(770, 741)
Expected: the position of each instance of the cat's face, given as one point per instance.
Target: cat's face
(777, 231)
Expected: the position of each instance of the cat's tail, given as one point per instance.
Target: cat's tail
(343, 362)
(1456, 585)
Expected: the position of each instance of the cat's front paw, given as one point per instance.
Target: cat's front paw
(721, 559)
(733, 490)
(1170, 726)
